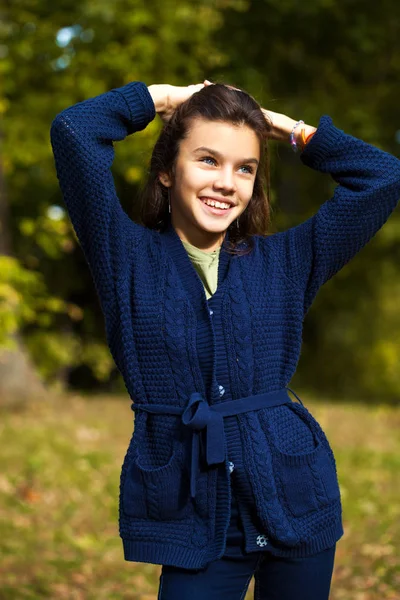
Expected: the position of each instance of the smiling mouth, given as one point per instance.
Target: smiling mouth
(215, 209)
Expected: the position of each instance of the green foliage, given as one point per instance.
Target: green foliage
(43, 75)
(54, 351)
(24, 300)
(26, 305)
(52, 236)
(306, 60)
(301, 59)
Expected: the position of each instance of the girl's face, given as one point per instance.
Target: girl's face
(217, 160)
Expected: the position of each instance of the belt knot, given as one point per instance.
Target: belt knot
(199, 415)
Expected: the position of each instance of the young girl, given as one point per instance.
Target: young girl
(226, 476)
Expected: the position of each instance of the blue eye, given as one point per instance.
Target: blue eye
(208, 158)
(250, 169)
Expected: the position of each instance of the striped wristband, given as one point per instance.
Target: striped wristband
(292, 140)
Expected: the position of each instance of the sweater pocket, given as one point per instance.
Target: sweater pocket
(308, 479)
(160, 493)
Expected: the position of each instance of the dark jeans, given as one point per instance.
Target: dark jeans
(274, 578)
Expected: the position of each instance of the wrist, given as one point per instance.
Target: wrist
(282, 126)
(301, 135)
(157, 92)
(298, 134)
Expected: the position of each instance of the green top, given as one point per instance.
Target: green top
(206, 265)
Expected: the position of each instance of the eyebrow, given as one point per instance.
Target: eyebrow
(219, 155)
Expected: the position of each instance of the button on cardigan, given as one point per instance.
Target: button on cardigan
(170, 349)
(206, 265)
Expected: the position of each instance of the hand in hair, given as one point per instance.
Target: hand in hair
(282, 127)
(167, 97)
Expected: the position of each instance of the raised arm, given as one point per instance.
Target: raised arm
(368, 192)
(82, 139)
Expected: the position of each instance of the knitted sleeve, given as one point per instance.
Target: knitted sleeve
(82, 139)
(368, 192)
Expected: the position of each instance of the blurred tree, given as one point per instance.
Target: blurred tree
(318, 58)
(18, 376)
(51, 59)
(304, 60)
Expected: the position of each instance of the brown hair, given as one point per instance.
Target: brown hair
(217, 102)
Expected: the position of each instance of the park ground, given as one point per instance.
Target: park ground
(59, 482)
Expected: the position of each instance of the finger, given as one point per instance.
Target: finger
(196, 86)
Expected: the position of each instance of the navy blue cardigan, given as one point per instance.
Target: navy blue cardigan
(209, 378)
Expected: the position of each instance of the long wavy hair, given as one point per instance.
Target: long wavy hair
(223, 103)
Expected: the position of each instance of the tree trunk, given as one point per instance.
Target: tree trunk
(19, 382)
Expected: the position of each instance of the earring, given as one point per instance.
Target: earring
(237, 222)
(169, 202)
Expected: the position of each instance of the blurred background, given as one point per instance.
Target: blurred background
(65, 418)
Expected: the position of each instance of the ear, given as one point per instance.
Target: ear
(165, 179)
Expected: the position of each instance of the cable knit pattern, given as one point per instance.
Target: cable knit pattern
(259, 465)
(169, 342)
(175, 324)
(236, 315)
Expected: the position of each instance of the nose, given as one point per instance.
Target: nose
(225, 180)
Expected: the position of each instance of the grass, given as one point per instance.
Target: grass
(59, 478)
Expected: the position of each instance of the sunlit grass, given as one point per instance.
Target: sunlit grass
(59, 481)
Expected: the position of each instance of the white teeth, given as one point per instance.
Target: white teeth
(216, 203)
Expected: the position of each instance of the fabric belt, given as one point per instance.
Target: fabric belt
(199, 415)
